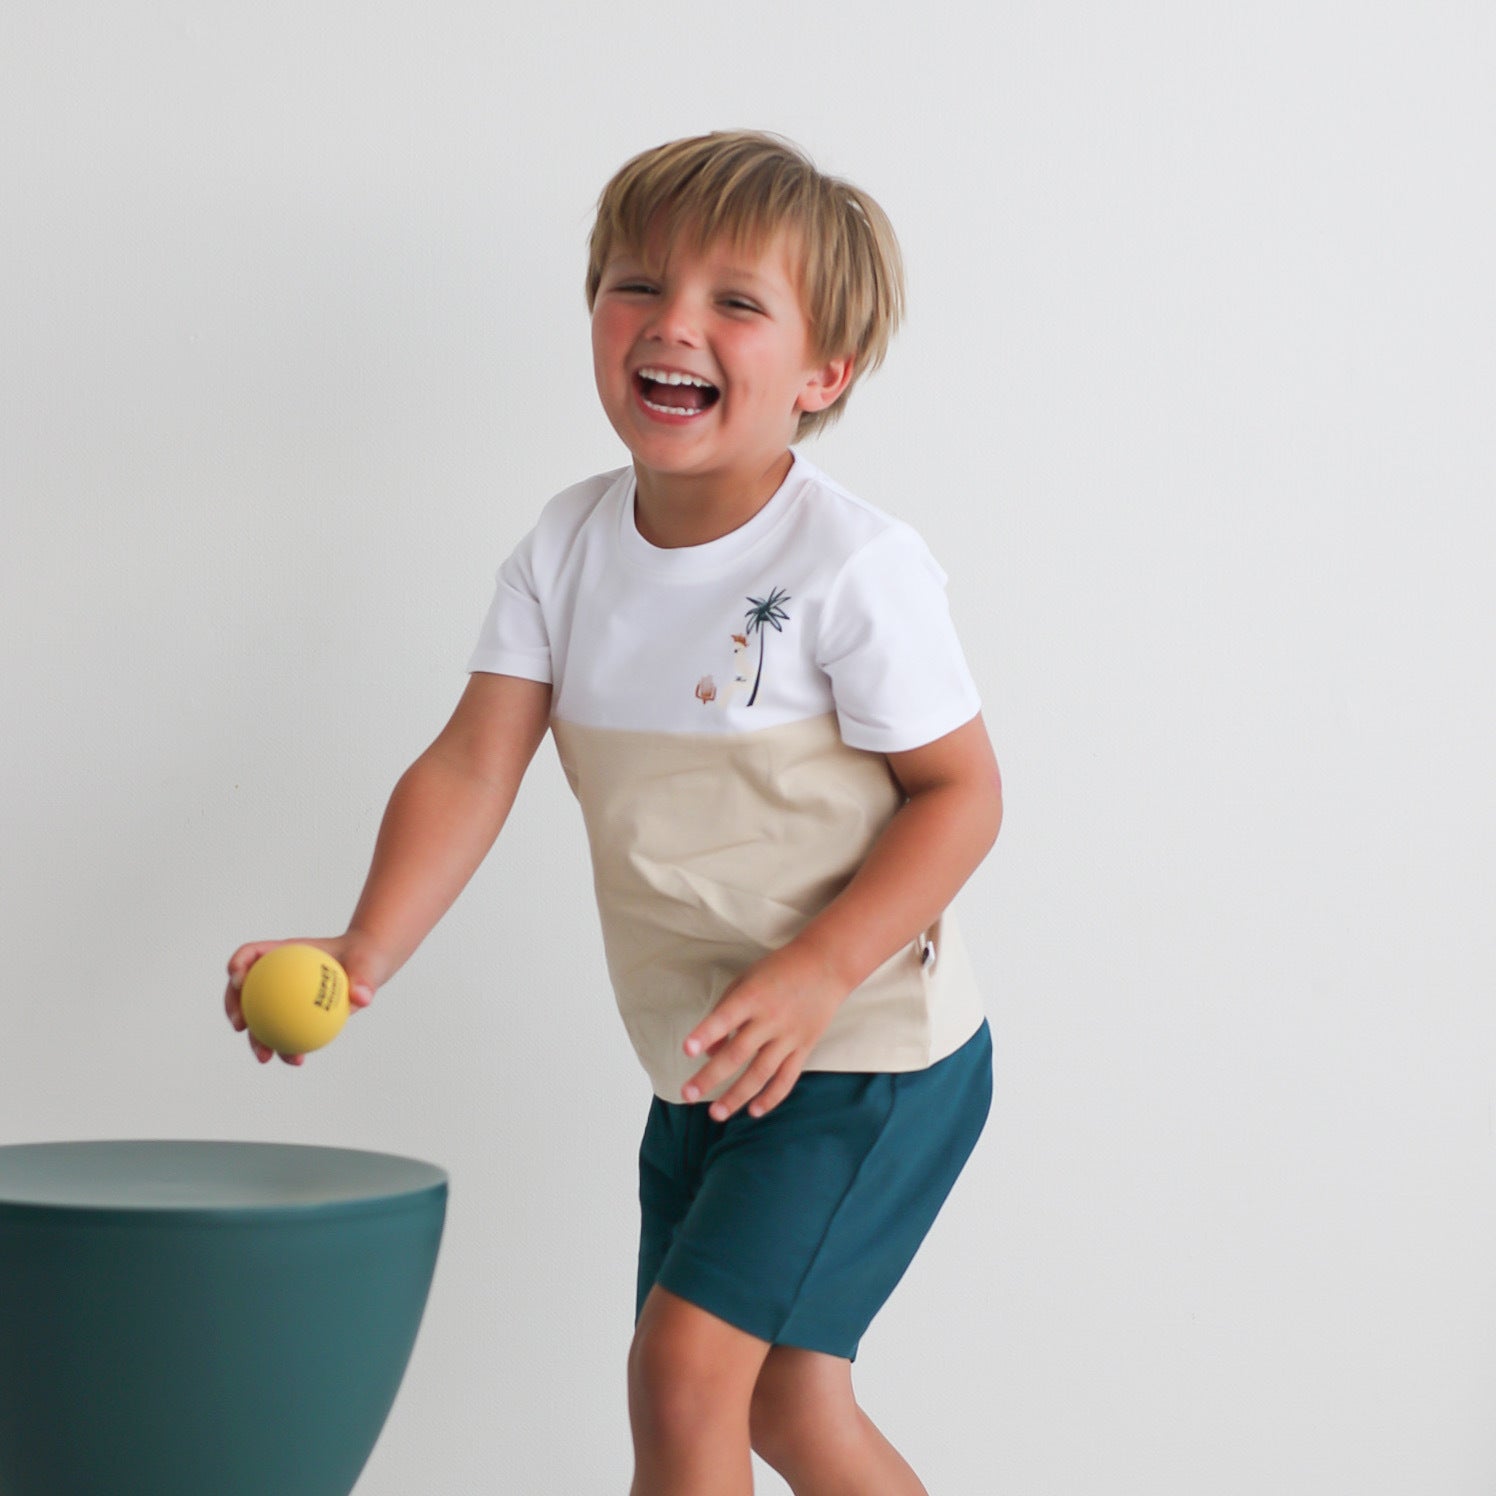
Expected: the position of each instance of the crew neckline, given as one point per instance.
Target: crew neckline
(711, 555)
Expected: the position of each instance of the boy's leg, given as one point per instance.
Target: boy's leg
(691, 1380)
(805, 1422)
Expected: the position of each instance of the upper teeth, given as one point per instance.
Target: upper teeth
(669, 376)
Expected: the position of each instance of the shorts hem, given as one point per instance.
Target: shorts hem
(715, 1295)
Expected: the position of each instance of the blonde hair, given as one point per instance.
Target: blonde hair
(745, 186)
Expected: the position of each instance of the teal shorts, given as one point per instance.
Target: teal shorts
(797, 1226)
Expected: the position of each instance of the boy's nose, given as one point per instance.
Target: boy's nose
(675, 321)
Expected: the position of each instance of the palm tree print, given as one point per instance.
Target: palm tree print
(765, 610)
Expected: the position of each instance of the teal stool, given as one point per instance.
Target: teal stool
(205, 1319)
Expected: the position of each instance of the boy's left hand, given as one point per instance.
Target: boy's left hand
(769, 1019)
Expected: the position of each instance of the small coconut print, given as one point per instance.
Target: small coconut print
(739, 682)
(707, 691)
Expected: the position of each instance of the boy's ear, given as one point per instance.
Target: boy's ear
(826, 385)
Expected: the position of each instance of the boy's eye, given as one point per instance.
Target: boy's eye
(740, 303)
(633, 286)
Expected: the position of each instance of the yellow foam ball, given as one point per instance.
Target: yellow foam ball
(295, 998)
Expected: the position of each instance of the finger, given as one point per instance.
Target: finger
(360, 995)
(727, 1059)
(263, 1052)
(753, 1080)
(718, 1025)
(294, 1059)
(775, 1092)
(245, 957)
(239, 964)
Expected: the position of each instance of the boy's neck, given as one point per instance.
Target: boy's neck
(672, 510)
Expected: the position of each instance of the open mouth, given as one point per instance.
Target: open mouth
(674, 394)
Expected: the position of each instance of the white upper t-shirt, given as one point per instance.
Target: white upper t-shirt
(722, 712)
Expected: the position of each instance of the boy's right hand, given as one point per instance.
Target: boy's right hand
(347, 950)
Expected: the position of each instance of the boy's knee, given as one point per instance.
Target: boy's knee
(665, 1393)
(801, 1406)
(688, 1372)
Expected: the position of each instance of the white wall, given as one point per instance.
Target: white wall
(1194, 405)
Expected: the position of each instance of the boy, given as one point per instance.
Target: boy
(758, 698)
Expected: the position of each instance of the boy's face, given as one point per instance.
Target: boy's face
(704, 359)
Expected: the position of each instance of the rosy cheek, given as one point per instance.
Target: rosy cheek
(610, 324)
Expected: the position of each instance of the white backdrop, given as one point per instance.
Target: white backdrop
(1195, 406)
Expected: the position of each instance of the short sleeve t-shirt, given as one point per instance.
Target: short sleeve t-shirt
(722, 713)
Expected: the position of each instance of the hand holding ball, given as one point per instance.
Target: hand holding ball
(295, 998)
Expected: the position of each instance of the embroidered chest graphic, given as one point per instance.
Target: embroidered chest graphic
(763, 614)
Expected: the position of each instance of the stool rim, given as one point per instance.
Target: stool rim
(182, 1178)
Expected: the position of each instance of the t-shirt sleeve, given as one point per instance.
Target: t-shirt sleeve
(898, 675)
(514, 639)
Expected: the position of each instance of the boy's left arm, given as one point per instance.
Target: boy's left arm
(770, 1018)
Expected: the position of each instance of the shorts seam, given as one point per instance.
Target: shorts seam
(831, 1220)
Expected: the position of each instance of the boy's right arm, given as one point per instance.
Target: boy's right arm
(441, 821)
